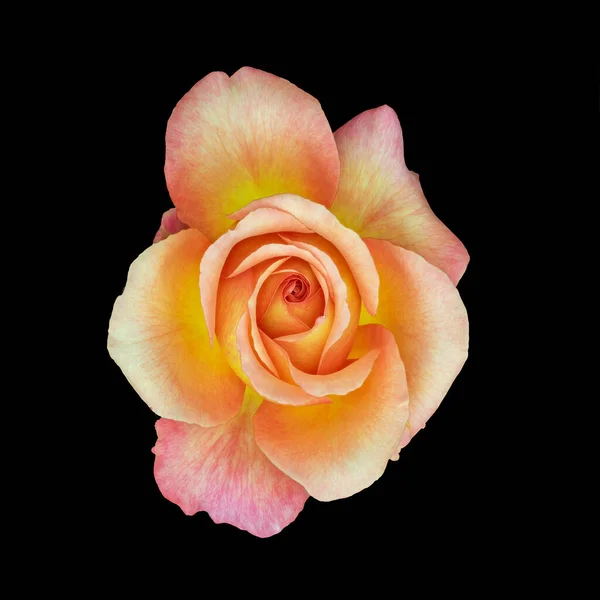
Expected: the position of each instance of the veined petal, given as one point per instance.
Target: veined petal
(222, 471)
(335, 450)
(232, 140)
(421, 306)
(158, 338)
(379, 197)
(321, 221)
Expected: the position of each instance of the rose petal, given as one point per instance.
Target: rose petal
(321, 221)
(345, 321)
(158, 338)
(233, 295)
(338, 449)
(312, 306)
(419, 304)
(346, 380)
(278, 320)
(306, 349)
(169, 225)
(380, 198)
(232, 140)
(256, 338)
(276, 316)
(259, 223)
(222, 471)
(264, 383)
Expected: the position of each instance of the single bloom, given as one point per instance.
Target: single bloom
(296, 321)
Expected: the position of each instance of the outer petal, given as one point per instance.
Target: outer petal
(423, 309)
(222, 471)
(335, 450)
(158, 337)
(318, 219)
(169, 225)
(233, 140)
(380, 198)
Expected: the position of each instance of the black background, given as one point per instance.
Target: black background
(443, 489)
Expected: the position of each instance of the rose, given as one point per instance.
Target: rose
(303, 324)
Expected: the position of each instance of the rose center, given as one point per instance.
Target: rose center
(296, 288)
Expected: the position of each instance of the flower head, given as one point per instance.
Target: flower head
(296, 321)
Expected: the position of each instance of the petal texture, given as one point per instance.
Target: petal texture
(335, 450)
(231, 140)
(158, 338)
(222, 471)
(423, 309)
(379, 197)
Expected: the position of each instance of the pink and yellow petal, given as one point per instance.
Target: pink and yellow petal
(158, 338)
(421, 306)
(222, 471)
(379, 197)
(335, 450)
(169, 225)
(231, 140)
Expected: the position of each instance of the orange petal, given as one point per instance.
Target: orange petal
(258, 223)
(233, 140)
(380, 198)
(306, 349)
(233, 297)
(256, 338)
(158, 338)
(222, 471)
(419, 304)
(338, 449)
(346, 380)
(317, 293)
(272, 250)
(321, 221)
(341, 335)
(234, 294)
(264, 383)
(280, 317)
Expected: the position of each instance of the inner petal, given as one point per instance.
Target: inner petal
(295, 288)
(291, 300)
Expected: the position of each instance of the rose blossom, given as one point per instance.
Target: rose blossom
(296, 321)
